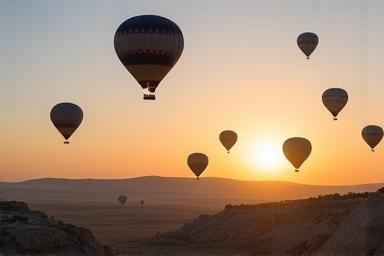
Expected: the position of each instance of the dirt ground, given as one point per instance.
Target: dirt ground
(112, 223)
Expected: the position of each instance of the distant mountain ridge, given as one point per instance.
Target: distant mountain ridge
(178, 190)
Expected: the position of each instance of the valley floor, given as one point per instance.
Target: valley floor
(112, 223)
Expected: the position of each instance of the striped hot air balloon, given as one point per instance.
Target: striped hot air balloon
(149, 46)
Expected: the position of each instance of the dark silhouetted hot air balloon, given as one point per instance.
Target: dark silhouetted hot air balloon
(66, 117)
(297, 150)
(372, 135)
(334, 99)
(149, 46)
(122, 199)
(307, 43)
(197, 162)
(228, 139)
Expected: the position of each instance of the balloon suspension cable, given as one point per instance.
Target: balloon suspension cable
(66, 142)
(335, 118)
(296, 170)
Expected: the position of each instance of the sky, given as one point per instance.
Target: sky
(240, 69)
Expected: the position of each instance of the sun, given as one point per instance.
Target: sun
(267, 155)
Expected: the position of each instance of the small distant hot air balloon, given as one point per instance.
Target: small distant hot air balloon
(307, 42)
(197, 162)
(66, 117)
(372, 135)
(148, 46)
(122, 199)
(228, 139)
(297, 150)
(142, 202)
(334, 99)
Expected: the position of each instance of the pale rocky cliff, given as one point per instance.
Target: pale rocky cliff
(352, 224)
(27, 232)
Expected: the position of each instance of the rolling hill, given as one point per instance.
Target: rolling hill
(159, 190)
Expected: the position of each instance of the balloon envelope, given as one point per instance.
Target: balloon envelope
(197, 162)
(335, 99)
(228, 138)
(307, 42)
(148, 46)
(372, 135)
(297, 150)
(66, 117)
(122, 199)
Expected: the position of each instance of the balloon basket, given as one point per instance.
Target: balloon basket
(149, 97)
(335, 118)
(297, 170)
(66, 142)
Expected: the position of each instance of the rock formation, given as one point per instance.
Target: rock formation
(351, 224)
(27, 232)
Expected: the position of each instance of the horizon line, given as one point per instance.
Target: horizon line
(184, 177)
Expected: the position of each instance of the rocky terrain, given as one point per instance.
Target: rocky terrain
(351, 224)
(27, 232)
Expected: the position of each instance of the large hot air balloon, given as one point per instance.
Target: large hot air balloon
(149, 46)
(334, 99)
(307, 42)
(66, 117)
(228, 139)
(372, 135)
(297, 150)
(197, 162)
(122, 199)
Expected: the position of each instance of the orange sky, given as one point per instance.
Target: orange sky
(240, 70)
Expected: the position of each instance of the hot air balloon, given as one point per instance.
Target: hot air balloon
(66, 117)
(228, 139)
(372, 135)
(197, 162)
(334, 99)
(297, 150)
(307, 42)
(148, 46)
(122, 199)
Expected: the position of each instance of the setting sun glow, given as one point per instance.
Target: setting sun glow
(267, 156)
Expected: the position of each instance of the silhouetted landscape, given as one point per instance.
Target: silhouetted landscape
(28, 232)
(211, 192)
(318, 226)
(169, 202)
(351, 224)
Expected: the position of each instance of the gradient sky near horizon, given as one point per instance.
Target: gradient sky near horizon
(241, 69)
